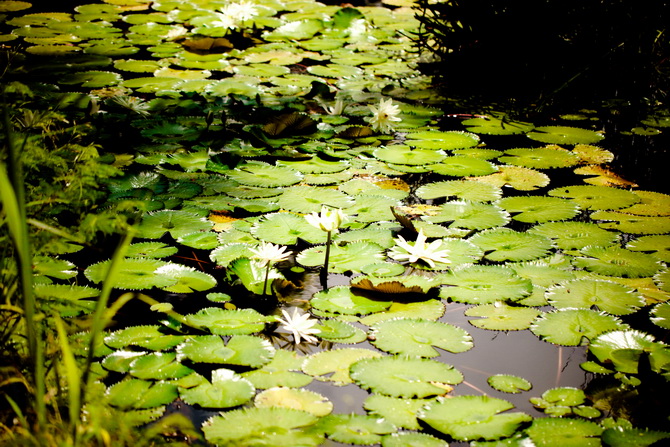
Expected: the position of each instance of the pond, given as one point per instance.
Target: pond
(300, 243)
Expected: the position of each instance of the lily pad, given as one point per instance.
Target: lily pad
(658, 246)
(504, 244)
(158, 366)
(372, 208)
(355, 428)
(405, 155)
(310, 199)
(68, 299)
(284, 370)
(484, 284)
(265, 175)
(502, 317)
(177, 223)
(570, 327)
(470, 215)
(395, 285)
(611, 297)
(426, 310)
(594, 197)
(617, 261)
(416, 337)
(278, 427)
(564, 135)
(466, 418)
(461, 189)
(405, 377)
(629, 223)
(229, 322)
(351, 257)
(461, 166)
(575, 235)
(342, 300)
(145, 336)
(304, 400)
(522, 179)
(133, 274)
(537, 209)
(188, 279)
(408, 438)
(508, 383)
(340, 332)
(622, 348)
(660, 315)
(139, 394)
(496, 125)
(286, 229)
(333, 366)
(449, 140)
(549, 432)
(540, 158)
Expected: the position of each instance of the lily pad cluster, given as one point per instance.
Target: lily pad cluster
(247, 117)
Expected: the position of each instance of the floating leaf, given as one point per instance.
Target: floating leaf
(333, 366)
(177, 223)
(651, 204)
(415, 337)
(405, 155)
(400, 412)
(150, 250)
(309, 199)
(466, 418)
(53, 267)
(227, 389)
(494, 125)
(461, 189)
(484, 284)
(426, 310)
(536, 209)
(244, 350)
(342, 300)
(522, 179)
(351, 257)
(549, 432)
(575, 235)
(138, 394)
(405, 377)
(408, 438)
(278, 427)
(660, 315)
(395, 285)
(461, 165)
(508, 383)
(372, 208)
(284, 370)
(629, 223)
(286, 229)
(355, 428)
(564, 135)
(133, 274)
(449, 140)
(229, 322)
(68, 300)
(617, 261)
(504, 244)
(265, 175)
(658, 246)
(158, 366)
(540, 158)
(622, 348)
(624, 437)
(92, 79)
(611, 297)
(569, 327)
(304, 400)
(148, 336)
(502, 317)
(470, 215)
(596, 197)
(188, 279)
(340, 332)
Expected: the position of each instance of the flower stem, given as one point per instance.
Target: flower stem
(267, 274)
(324, 271)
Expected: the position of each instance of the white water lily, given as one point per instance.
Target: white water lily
(269, 253)
(419, 250)
(336, 109)
(302, 326)
(384, 116)
(240, 12)
(328, 220)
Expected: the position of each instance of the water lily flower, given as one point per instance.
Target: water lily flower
(384, 116)
(328, 220)
(419, 250)
(302, 326)
(268, 254)
(240, 12)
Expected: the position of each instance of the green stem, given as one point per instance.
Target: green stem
(324, 271)
(267, 275)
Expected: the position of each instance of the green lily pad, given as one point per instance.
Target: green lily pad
(395, 285)
(408, 438)
(502, 317)
(624, 437)
(660, 315)
(628, 223)
(150, 250)
(119, 361)
(342, 300)
(461, 166)
(226, 389)
(405, 155)
(622, 348)
(564, 135)
(284, 370)
(449, 140)
(225, 254)
(188, 279)
(484, 284)
(575, 235)
(295, 30)
(540, 158)
(569, 327)
(470, 215)
(139, 394)
(334, 70)
(265, 175)
(229, 322)
(549, 432)
(340, 332)
(158, 366)
(466, 418)
(133, 274)
(372, 208)
(651, 204)
(594, 197)
(246, 350)
(522, 179)
(304, 400)
(563, 396)
(53, 267)
(92, 79)
(351, 257)
(380, 236)
(496, 125)
(461, 189)
(416, 337)
(617, 261)
(333, 366)
(310, 199)
(68, 299)
(504, 244)
(146, 336)
(286, 229)
(543, 274)
(611, 297)
(431, 310)
(355, 428)
(400, 412)
(278, 427)
(538, 209)
(405, 377)
(658, 246)
(508, 383)
(177, 223)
